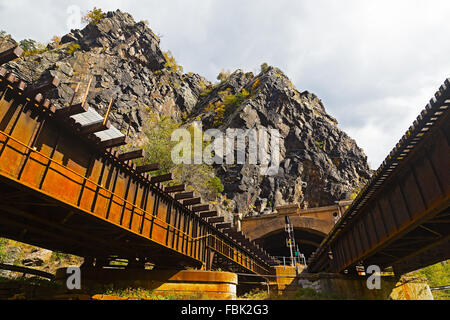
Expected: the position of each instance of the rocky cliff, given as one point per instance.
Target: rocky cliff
(126, 63)
(319, 162)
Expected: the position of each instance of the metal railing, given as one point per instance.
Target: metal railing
(219, 246)
(288, 261)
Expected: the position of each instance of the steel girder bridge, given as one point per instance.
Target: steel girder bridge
(64, 187)
(401, 219)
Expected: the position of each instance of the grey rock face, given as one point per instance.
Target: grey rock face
(7, 42)
(37, 258)
(320, 164)
(125, 61)
(12, 254)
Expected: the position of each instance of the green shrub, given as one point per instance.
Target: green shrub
(72, 48)
(3, 243)
(311, 294)
(320, 144)
(229, 104)
(264, 67)
(216, 185)
(171, 64)
(158, 149)
(438, 275)
(256, 85)
(355, 193)
(158, 132)
(94, 16)
(223, 75)
(257, 294)
(31, 47)
(56, 40)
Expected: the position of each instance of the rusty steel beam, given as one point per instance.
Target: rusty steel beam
(25, 270)
(172, 189)
(3, 72)
(231, 231)
(11, 78)
(148, 168)
(184, 195)
(47, 104)
(223, 225)
(69, 111)
(94, 127)
(208, 214)
(193, 201)
(131, 155)
(93, 138)
(131, 165)
(216, 219)
(22, 86)
(200, 208)
(37, 99)
(238, 236)
(10, 54)
(161, 178)
(43, 87)
(116, 142)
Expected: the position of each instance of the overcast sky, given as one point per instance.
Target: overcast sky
(374, 64)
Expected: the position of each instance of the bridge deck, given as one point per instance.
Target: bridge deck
(402, 217)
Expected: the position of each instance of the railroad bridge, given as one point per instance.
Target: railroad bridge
(311, 226)
(65, 187)
(401, 218)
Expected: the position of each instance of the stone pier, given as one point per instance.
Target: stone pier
(352, 287)
(183, 283)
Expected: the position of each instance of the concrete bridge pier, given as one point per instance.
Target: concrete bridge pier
(186, 284)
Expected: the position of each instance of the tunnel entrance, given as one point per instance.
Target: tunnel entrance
(275, 243)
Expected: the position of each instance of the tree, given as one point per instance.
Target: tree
(31, 47)
(223, 75)
(94, 16)
(56, 40)
(158, 145)
(28, 44)
(158, 149)
(171, 64)
(264, 67)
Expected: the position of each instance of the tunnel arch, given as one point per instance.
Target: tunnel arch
(307, 240)
(270, 232)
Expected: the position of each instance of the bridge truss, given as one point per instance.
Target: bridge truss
(401, 218)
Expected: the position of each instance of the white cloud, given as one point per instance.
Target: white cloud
(375, 64)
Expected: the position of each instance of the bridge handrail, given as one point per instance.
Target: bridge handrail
(94, 183)
(235, 252)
